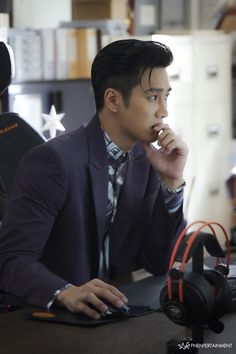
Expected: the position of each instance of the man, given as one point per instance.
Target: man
(99, 202)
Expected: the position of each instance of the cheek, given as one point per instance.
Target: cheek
(147, 111)
(139, 118)
(143, 119)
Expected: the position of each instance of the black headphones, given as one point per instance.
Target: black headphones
(189, 297)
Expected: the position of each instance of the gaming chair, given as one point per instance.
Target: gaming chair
(16, 136)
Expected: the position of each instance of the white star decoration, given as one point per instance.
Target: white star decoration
(53, 122)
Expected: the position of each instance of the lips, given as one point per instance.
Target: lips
(156, 128)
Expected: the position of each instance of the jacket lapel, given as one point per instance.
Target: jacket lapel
(131, 197)
(132, 192)
(98, 170)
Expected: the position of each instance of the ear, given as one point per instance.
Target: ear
(112, 99)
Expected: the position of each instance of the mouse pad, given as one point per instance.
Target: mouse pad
(63, 316)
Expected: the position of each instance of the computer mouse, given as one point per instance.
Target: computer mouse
(114, 312)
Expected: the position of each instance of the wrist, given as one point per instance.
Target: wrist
(173, 186)
(60, 295)
(56, 294)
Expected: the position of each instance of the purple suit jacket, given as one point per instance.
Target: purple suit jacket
(53, 229)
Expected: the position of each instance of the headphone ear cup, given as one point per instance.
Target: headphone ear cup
(198, 300)
(222, 293)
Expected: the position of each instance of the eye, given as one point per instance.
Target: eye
(166, 96)
(153, 98)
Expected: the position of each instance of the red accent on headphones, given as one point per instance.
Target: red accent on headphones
(186, 253)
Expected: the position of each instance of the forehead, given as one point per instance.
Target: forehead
(155, 78)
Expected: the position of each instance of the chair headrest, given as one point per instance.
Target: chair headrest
(6, 66)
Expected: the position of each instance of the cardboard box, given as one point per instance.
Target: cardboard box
(82, 48)
(228, 21)
(99, 9)
(228, 24)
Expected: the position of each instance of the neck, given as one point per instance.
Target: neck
(110, 124)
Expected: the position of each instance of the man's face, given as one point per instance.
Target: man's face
(146, 107)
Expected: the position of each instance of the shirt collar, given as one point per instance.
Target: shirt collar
(112, 149)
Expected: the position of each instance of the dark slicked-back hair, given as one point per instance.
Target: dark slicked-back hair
(121, 64)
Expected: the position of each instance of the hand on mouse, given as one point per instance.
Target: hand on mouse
(78, 298)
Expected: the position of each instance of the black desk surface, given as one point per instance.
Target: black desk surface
(142, 335)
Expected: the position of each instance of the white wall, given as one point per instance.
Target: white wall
(41, 13)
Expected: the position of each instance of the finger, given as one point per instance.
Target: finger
(87, 310)
(117, 293)
(176, 146)
(112, 289)
(96, 302)
(90, 305)
(107, 296)
(107, 291)
(149, 147)
(172, 142)
(168, 139)
(165, 144)
(165, 134)
(97, 282)
(170, 147)
(160, 126)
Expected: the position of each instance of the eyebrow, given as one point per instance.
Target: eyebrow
(156, 90)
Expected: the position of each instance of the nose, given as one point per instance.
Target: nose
(162, 111)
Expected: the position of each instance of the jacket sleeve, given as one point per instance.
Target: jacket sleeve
(38, 196)
(160, 236)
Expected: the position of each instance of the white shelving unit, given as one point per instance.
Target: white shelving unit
(200, 111)
(41, 14)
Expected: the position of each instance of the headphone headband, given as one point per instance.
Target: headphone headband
(187, 250)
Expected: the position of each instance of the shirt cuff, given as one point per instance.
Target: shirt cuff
(173, 201)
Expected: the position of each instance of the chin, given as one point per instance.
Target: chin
(152, 138)
(148, 141)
